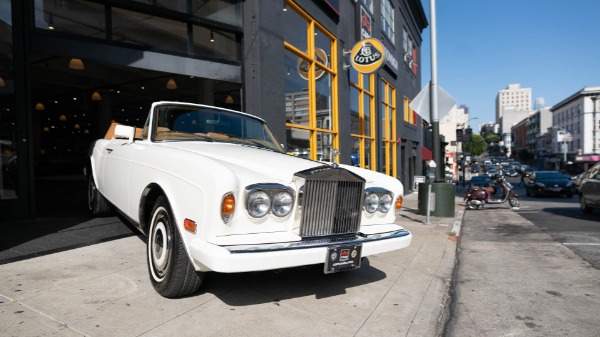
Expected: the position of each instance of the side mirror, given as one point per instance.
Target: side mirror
(124, 131)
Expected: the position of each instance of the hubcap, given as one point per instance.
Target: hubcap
(160, 250)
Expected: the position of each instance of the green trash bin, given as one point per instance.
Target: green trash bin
(442, 199)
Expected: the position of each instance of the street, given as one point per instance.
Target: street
(515, 277)
(563, 220)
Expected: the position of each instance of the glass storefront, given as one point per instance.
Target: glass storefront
(8, 118)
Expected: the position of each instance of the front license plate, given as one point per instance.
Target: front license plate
(342, 258)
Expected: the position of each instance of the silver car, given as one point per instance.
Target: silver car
(589, 190)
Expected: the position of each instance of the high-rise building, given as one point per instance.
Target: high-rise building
(514, 98)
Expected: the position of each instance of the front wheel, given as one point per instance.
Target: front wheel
(471, 204)
(171, 272)
(514, 202)
(583, 205)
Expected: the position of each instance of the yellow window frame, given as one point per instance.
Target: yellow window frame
(362, 138)
(312, 61)
(388, 139)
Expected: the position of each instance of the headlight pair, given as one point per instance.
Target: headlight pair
(262, 199)
(378, 199)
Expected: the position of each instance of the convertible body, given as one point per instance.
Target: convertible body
(214, 191)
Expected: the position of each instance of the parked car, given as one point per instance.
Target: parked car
(549, 183)
(527, 171)
(511, 172)
(214, 191)
(589, 190)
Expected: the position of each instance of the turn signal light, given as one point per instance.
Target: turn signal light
(398, 205)
(227, 207)
(189, 225)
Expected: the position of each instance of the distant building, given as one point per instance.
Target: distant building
(514, 97)
(452, 128)
(537, 125)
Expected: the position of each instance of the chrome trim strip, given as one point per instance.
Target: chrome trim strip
(315, 243)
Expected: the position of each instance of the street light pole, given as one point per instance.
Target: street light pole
(433, 97)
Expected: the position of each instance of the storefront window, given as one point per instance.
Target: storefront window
(8, 120)
(71, 16)
(387, 97)
(147, 30)
(215, 43)
(362, 103)
(310, 86)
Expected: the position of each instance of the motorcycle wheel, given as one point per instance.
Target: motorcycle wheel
(471, 204)
(514, 202)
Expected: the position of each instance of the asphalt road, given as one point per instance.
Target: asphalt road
(562, 219)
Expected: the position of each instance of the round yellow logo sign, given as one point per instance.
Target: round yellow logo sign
(367, 55)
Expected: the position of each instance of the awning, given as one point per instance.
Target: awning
(426, 153)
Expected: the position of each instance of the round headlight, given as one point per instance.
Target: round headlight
(371, 202)
(385, 203)
(282, 204)
(258, 204)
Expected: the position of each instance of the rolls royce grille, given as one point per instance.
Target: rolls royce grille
(331, 204)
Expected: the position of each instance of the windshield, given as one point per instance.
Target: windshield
(191, 123)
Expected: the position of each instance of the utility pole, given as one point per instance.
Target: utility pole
(433, 98)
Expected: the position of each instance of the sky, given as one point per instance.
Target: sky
(552, 47)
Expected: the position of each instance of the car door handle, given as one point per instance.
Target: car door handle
(109, 150)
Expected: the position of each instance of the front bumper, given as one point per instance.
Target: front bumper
(245, 258)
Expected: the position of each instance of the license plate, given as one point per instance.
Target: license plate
(342, 258)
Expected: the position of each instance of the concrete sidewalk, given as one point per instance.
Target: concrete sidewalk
(104, 290)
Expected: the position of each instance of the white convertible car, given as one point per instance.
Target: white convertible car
(214, 191)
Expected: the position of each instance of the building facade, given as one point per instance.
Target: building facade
(576, 130)
(70, 68)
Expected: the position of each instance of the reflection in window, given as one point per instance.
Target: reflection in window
(310, 81)
(214, 43)
(71, 16)
(362, 103)
(295, 29)
(147, 30)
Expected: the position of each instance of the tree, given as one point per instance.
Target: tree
(491, 137)
(525, 156)
(476, 146)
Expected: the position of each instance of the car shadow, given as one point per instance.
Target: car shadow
(243, 289)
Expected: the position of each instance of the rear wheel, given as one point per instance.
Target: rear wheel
(97, 204)
(583, 205)
(171, 272)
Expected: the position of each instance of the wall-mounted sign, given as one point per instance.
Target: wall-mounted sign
(321, 56)
(390, 60)
(366, 23)
(367, 55)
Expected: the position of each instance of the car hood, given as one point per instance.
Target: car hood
(248, 161)
(553, 182)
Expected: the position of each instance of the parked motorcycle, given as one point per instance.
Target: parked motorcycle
(478, 196)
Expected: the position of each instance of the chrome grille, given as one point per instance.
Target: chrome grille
(331, 203)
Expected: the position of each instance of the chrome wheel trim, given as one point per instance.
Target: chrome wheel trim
(159, 247)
